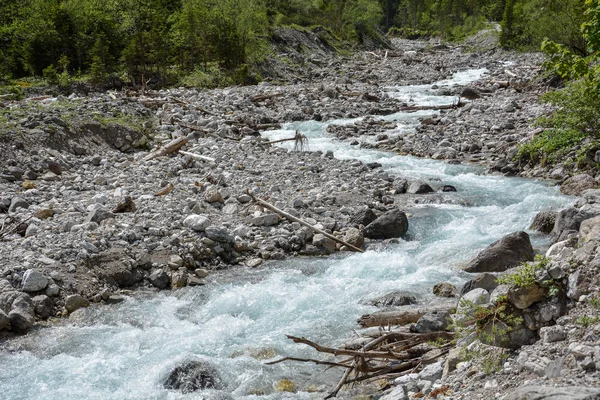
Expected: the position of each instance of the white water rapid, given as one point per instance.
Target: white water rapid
(125, 351)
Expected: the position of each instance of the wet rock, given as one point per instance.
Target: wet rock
(192, 376)
(506, 253)
(16, 203)
(43, 306)
(394, 299)
(363, 217)
(392, 224)
(544, 221)
(470, 93)
(179, 279)
(22, 315)
(74, 302)
(576, 185)
(4, 205)
(419, 187)
(33, 281)
(196, 222)
(448, 188)
(444, 289)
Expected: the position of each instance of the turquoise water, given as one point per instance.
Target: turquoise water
(126, 351)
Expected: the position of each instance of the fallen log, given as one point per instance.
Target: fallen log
(432, 108)
(169, 148)
(398, 317)
(301, 222)
(263, 97)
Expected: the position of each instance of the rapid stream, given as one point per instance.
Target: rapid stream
(240, 317)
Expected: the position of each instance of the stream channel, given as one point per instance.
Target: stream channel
(240, 317)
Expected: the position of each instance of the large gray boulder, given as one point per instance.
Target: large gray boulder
(33, 281)
(192, 376)
(569, 221)
(554, 393)
(363, 217)
(544, 221)
(394, 299)
(485, 281)
(576, 185)
(392, 224)
(506, 253)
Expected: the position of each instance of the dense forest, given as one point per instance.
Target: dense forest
(166, 39)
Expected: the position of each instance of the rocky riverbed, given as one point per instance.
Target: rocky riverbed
(84, 218)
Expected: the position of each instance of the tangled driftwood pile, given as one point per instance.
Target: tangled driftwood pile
(387, 355)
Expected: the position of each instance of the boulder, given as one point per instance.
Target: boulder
(485, 281)
(392, 224)
(75, 302)
(506, 253)
(43, 306)
(432, 322)
(159, 279)
(524, 296)
(551, 334)
(394, 299)
(115, 267)
(475, 296)
(544, 221)
(16, 203)
(326, 245)
(432, 372)
(33, 281)
(590, 229)
(575, 185)
(4, 320)
(554, 393)
(363, 217)
(354, 237)
(192, 376)
(569, 220)
(444, 289)
(419, 187)
(197, 223)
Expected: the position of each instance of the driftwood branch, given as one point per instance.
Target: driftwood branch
(169, 148)
(299, 140)
(432, 108)
(398, 317)
(301, 222)
(309, 360)
(263, 97)
(379, 358)
(197, 156)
